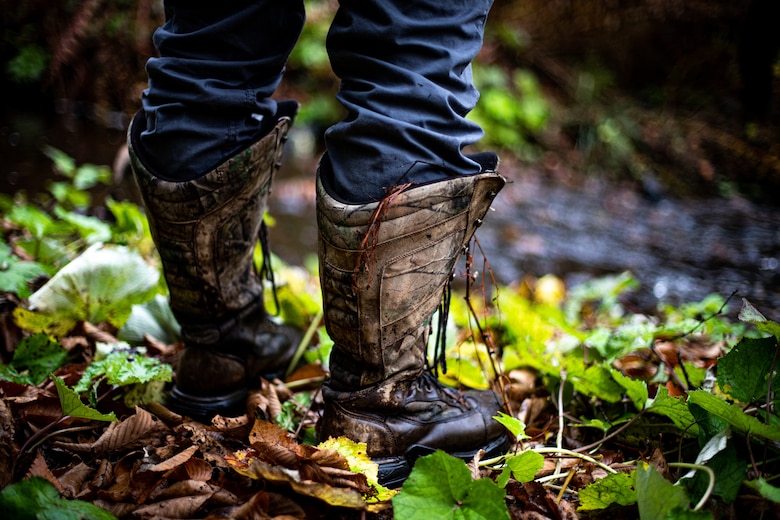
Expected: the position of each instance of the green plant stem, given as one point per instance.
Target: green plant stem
(559, 437)
(710, 485)
(769, 382)
(304, 343)
(303, 383)
(573, 454)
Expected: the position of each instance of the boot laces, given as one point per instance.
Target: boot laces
(266, 271)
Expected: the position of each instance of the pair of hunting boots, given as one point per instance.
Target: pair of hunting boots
(384, 268)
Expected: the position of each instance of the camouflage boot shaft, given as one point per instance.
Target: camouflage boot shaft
(205, 231)
(384, 268)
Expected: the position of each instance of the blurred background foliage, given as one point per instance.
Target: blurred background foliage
(673, 96)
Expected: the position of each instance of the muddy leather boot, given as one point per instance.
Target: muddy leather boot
(205, 231)
(384, 268)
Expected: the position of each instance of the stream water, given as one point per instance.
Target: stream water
(680, 249)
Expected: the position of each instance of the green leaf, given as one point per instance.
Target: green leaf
(656, 496)
(523, 466)
(36, 498)
(676, 409)
(636, 389)
(153, 318)
(743, 372)
(32, 219)
(766, 490)
(123, 366)
(101, 285)
(39, 355)
(615, 488)
(15, 274)
(440, 486)
(91, 229)
(750, 314)
(72, 405)
(90, 175)
(734, 415)
(730, 470)
(66, 194)
(596, 381)
(515, 426)
(709, 425)
(679, 513)
(64, 163)
(10, 373)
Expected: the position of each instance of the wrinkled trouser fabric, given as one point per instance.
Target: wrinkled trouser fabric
(405, 84)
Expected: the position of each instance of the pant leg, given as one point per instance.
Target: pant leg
(209, 90)
(405, 70)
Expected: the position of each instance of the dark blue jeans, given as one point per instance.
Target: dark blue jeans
(405, 77)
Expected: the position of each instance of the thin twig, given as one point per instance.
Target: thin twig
(611, 435)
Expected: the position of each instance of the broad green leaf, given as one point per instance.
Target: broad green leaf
(43, 323)
(101, 285)
(90, 175)
(615, 488)
(91, 229)
(689, 372)
(440, 486)
(636, 389)
(679, 513)
(154, 318)
(730, 471)
(15, 274)
(656, 497)
(39, 355)
(719, 454)
(766, 490)
(527, 335)
(515, 426)
(10, 373)
(52, 252)
(124, 366)
(34, 220)
(734, 415)
(743, 373)
(36, 498)
(634, 332)
(750, 314)
(72, 405)
(64, 163)
(676, 409)
(524, 466)
(605, 290)
(709, 425)
(595, 380)
(131, 227)
(67, 195)
(467, 364)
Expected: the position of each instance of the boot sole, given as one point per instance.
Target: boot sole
(204, 409)
(393, 471)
